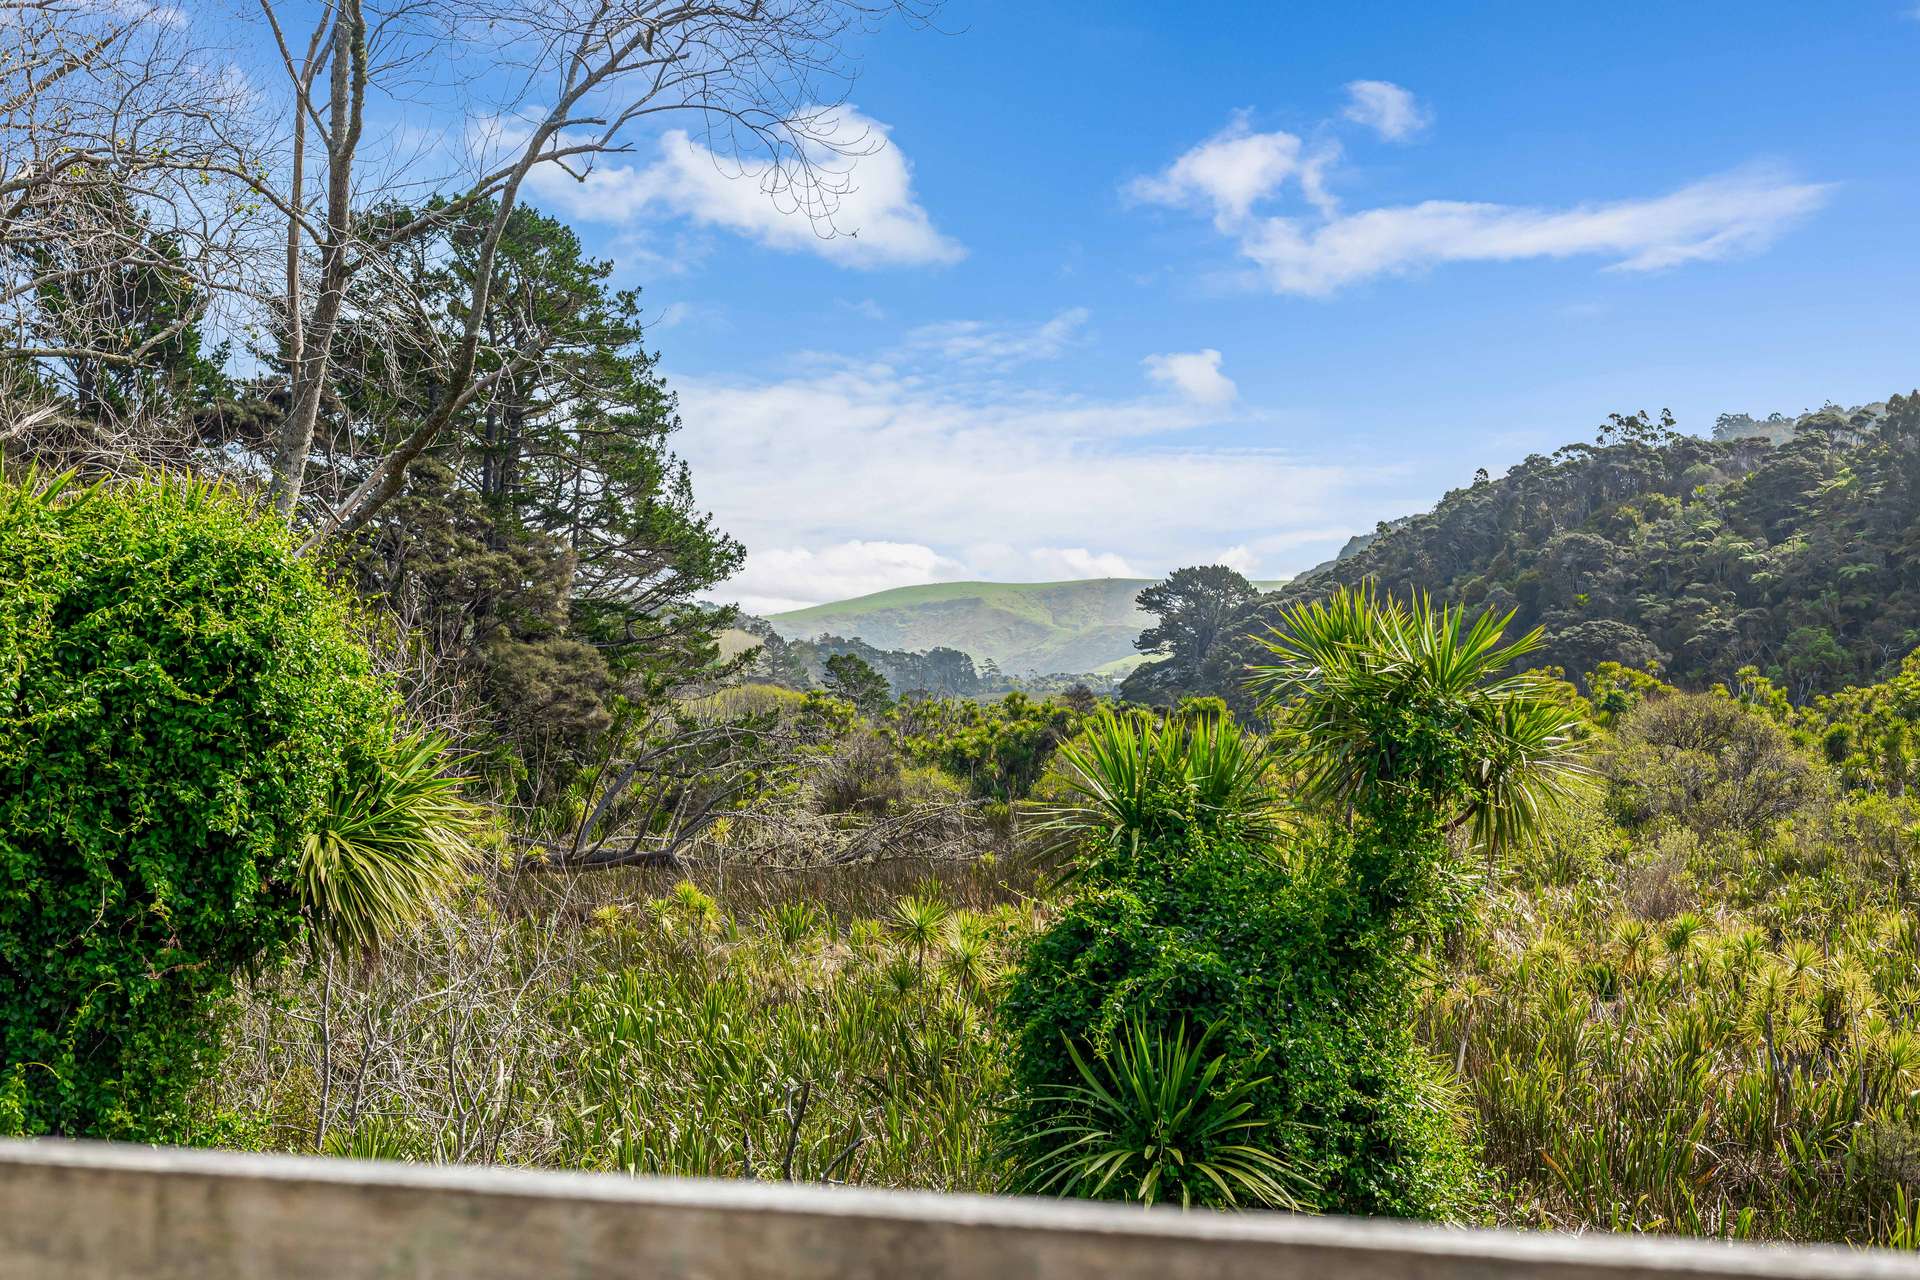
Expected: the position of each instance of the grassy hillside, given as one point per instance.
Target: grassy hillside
(1022, 626)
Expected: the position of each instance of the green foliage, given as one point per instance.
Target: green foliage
(1155, 1121)
(1614, 689)
(1131, 779)
(1709, 1035)
(1186, 915)
(731, 1062)
(1403, 710)
(796, 922)
(547, 549)
(917, 920)
(1200, 614)
(766, 1029)
(393, 834)
(1710, 763)
(1870, 734)
(939, 672)
(999, 749)
(179, 697)
(849, 676)
(1646, 548)
(1395, 725)
(109, 280)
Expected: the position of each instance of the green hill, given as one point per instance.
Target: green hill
(1020, 626)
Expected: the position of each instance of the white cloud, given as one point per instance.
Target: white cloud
(1386, 108)
(1193, 374)
(999, 346)
(1321, 251)
(1238, 558)
(864, 213)
(1228, 173)
(1734, 213)
(777, 579)
(1078, 562)
(848, 479)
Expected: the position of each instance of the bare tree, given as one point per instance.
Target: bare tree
(138, 161)
(115, 242)
(762, 78)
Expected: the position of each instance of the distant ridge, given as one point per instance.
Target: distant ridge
(1085, 625)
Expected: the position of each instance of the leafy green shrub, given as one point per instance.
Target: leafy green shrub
(999, 749)
(1188, 918)
(1396, 724)
(1709, 762)
(180, 698)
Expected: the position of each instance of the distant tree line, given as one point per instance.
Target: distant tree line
(940, 672)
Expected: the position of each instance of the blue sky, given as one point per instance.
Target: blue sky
(1141, 285)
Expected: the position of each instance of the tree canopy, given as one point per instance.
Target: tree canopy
(1692, 557)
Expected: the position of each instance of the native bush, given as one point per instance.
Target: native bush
(1187, 915)
(1742, 1062)
(182, 700)
(1395, 727)
(1710, 762)
(999, 749)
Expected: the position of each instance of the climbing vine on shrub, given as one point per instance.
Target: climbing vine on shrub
(1295, 942)
(179, 695)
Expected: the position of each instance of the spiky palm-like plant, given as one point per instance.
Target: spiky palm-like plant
(1383, 704)
(966, 958)
(395, 833)
(918, 920)
(1134, 778)
(1156, 1119)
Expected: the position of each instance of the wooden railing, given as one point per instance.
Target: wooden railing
(75, 1211)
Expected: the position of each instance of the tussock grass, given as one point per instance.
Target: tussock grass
(1736, 1055)
(755, 1024)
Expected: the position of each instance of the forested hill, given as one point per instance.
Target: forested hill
(1801, 558)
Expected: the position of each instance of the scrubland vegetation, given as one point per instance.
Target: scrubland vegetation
(1693, 1008)
(1420, 937)
(375, 781)
(816, 1027)
(1693, 1017)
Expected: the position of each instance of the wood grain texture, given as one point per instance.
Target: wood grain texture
(77, 1211)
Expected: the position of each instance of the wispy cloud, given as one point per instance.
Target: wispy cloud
(1323, 248)
(985, 344)
(1716, 218)
(1386, 108)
